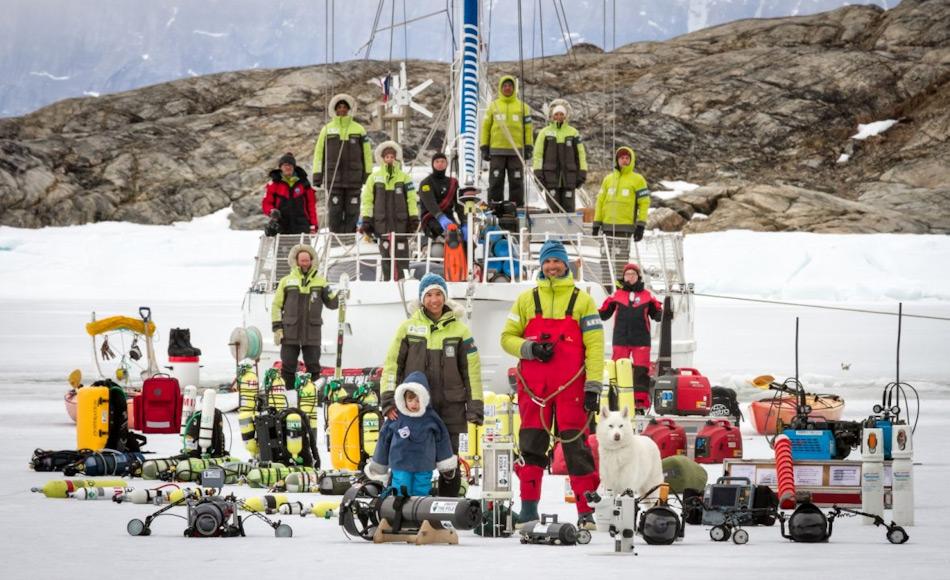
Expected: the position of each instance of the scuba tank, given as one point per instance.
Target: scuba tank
(354, 431)
(108, 462)
(325, 509)
(155, 496)
(269, 476)
(206, 430)
(190, 469)
(307, 401)
(94, 493)
(248, 389)
(303, 482)
(161, 468)
(625, 386)
(293, 437)
(268, 504)
(275, 389)
(189, 399)
(60, 488)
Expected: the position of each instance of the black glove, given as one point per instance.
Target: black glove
(274, 214)
(486, 153)
(318, 180)
(638, 233)
(581, 178)
(367, 226)
(542, 351)
(528, 151)
(413, 224)
(591, 401)
(596, 231)
(657, 314)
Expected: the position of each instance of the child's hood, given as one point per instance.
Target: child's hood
(416, 383)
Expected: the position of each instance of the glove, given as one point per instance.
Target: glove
(475, 412)
(528, 151)
(413, 223)
(376, 471)
(581, 178)
(444, 221)
(592, 391)
(542, 351)
(450, 474)
(274, 214)
(657, 315)
(596, 231)
(318, 180)
(278, 336)
(638, 233)
(366, 227)
(486, 153)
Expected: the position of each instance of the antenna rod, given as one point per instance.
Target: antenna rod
(900, 313)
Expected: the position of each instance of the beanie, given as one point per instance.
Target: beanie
(287, 158)
(433, 282)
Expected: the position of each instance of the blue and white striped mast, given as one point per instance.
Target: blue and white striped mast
(468, 88)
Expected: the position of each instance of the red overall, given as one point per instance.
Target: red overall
(544, 379)
(639, 354)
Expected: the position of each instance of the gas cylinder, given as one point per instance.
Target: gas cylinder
(188, 401)
(302, 482)
(268, 504)
(307, 401)
(625, 393)
(60, 488)
(248, 389)
(276, 389)
(343, 419)
(96, 493)
(190, 469)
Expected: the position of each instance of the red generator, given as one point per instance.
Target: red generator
(682, 392)
(668, 436)
(719, 439)
(158, 408)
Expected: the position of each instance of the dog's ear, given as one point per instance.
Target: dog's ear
(625, 412)
(603, 412)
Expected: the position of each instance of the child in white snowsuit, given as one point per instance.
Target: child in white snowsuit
(413, 444)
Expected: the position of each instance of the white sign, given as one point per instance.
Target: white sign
(766, 476)
(742, 471)
(844, 475)
(808, 475)
(443, 507)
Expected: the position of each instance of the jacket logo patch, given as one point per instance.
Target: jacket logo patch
(625, 192)
(404, 432)
(449, 351)
(417, 330)
(515, 117)
(380, 179)
(636, 300)
(426, 187)
(293, 282)
(499, 116)
(333, 130)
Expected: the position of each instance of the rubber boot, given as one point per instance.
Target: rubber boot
(529, 512)
(450, 487)
(585, 521)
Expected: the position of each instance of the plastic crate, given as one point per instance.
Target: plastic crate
(811, 444)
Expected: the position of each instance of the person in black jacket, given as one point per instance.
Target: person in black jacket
(439, 196)
(634, 306)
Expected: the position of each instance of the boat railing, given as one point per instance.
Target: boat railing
(597, 259)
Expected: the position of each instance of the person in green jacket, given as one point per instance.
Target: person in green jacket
(560, 160)
(437, 343)
(624, 199)
(389, 205)
(556, 333)
(506, 132)
(297, 313)
(342, 159)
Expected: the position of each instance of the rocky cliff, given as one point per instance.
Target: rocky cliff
(758, 112)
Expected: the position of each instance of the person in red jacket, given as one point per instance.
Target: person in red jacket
(634, 306)
(289, 201)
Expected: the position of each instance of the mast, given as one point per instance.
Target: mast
(468, 94)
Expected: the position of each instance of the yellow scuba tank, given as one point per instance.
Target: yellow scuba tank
(276, 389)
(325, 509)
(490, 405)
(293, 428)
(625, 392)
(370, 420)
(177, 494)
(95, 493)
(307, 401)
(248, 389)
(190, 469)
(61, 488)
(268, 504)
(343, 419)
(154, 468)
(302, 482)
(92, 418)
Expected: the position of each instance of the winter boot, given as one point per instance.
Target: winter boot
(450, 487)
(186, 340)
(586, 521)
(529, 512)
(173, 347)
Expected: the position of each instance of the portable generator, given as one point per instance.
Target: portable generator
(719, 439)
(668, 436)
(682, 392)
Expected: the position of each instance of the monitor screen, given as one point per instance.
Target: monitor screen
(724, 496)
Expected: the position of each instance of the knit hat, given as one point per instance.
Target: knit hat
(287, 158)
(553, 249)
(558, 109)
(631, 266)
(433, 282)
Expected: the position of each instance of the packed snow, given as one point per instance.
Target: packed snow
(872, 129)
(193, 275)
(674, 189)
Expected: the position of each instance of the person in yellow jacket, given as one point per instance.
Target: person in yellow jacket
(437, 343)
(342, 158)
(624, 199)
(556, 332)
(297, 313)
(506, 132)
(560, 160)
(390, 206)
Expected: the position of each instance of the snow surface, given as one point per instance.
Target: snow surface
(193, 275)
(872, 129)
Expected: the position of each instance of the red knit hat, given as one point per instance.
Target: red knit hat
(631, 266)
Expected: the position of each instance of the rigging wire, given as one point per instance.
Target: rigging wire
(819, 306)
(392, 31)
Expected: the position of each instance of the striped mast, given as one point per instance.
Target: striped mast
(468, 86)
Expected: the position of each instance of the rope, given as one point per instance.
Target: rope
(552, 436)
(819, 306)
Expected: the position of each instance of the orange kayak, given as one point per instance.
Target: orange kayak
(766, 412)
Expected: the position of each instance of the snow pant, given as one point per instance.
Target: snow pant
(498, 168)
(560, 200)
(568, 410)
(639, 354)
(400, 252)
(343, 209)
(451, 487)
(415, 482)
(288, 362)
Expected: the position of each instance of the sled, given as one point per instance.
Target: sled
(767, 412)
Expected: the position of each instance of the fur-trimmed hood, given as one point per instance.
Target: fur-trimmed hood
(549, 109)
(342, 97)
(378, 152)
(292, 255)
(457, 309)
(416, 383)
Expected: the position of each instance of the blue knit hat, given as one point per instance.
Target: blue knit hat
(430, 281)
(553, 249)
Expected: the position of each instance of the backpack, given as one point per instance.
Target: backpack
(725, 404)
(120, 438)
(271, 433)
(44, 460)
(193, 433)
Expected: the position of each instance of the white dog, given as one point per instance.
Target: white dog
(627, 460)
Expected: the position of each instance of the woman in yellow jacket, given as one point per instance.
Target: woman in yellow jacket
(624, 199)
